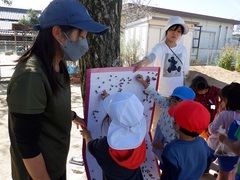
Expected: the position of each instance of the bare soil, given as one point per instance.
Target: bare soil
(215, 76)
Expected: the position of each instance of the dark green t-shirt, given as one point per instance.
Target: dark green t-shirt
(30, 93)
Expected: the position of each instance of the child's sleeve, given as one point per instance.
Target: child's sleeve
(159, 100)
(217, 122)
(155, 52)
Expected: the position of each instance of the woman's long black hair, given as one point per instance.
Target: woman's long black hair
(45, 47)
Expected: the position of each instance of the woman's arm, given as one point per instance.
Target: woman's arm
(36, 168)
(139, 64)
(27, 128)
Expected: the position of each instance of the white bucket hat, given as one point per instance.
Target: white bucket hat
(176, 20)
(128, 124)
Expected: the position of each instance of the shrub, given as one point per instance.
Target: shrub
(237, 65)
(227, 57)
(131, 52)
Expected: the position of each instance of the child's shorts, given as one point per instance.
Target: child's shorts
(227, 163)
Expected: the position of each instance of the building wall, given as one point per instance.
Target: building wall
(214, 36)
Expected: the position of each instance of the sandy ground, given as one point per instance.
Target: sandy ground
(215, 76)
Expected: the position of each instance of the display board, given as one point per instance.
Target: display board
(117, 79)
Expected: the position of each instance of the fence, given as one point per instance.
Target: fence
(205, 56)
(7, 65)
(14, 47)
(10, 51)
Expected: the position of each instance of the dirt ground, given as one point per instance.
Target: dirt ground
(215, 76)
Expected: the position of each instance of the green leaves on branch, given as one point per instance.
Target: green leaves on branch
(230, 58)
(7, 2)
(31, 19)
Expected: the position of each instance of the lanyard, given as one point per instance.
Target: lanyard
(175, 55)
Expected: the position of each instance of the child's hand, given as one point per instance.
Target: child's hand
(157, 144)
(140, 79)
(86, 134)
(222, 137)
(104, 94)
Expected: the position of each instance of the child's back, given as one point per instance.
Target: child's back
(189, 156)
(185, 159)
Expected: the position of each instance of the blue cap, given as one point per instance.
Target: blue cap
(71, 13)
(184, 92)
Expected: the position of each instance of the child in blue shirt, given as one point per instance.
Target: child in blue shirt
(187, 157)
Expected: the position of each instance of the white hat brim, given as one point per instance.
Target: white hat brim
(122, 138)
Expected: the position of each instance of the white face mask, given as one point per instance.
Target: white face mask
(74, 50)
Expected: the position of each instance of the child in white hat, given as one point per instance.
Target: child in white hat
(170, 56)
(123, 150)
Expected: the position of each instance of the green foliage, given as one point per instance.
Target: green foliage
(23, 21)
(130, 52)
(237, 65)
(227, 57)
(7, 2)
(32, 18)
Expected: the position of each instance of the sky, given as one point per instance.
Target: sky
(229, 9)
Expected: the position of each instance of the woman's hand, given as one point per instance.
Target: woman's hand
(139, 64)
(79, 122)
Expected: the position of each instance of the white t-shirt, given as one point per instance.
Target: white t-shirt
(171, 68)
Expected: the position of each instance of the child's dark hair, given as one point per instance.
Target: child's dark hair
(105, 122)
(188, 133)
(232, 93)
(176, 26)
(199, 83)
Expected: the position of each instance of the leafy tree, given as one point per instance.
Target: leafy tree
(134, 10)
(105, 49)
(32, 18)
(7, 2)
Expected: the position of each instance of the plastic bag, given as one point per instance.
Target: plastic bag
(221, 149)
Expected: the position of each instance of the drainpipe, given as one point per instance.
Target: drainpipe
(226, 36)
(147, 40)
(219, 36)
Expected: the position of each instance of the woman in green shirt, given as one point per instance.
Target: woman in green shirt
(39, 96)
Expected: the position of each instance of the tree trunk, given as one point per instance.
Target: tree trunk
(104, 49)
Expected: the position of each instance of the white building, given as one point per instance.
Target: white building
(204, 41)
